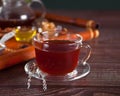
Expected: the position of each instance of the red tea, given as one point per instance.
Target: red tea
(57, 57)
(16, 22)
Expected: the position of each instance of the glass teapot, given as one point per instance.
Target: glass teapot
(19, 12)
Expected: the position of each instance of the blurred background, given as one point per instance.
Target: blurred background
(82, 4)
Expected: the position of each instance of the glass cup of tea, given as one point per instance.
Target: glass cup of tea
(59, 56)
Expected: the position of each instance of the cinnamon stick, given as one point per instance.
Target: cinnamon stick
(86, 35)
(69, 20)
(90, 34)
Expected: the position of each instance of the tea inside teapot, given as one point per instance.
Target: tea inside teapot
(16, 13)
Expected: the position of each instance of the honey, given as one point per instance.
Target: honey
(24, 33)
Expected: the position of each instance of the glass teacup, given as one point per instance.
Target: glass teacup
(59, 55)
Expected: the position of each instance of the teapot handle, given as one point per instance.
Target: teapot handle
(43, 13)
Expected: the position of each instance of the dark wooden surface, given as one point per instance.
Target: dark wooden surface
(104, 78)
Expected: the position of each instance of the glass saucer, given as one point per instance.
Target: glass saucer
(32, 70)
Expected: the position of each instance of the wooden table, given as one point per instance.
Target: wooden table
(104, 78)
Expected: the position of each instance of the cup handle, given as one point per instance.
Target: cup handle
(88, 53)
(43, 13)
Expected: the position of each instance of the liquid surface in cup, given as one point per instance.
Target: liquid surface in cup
(57, 57)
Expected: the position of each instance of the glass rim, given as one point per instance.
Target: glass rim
(76, 38)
